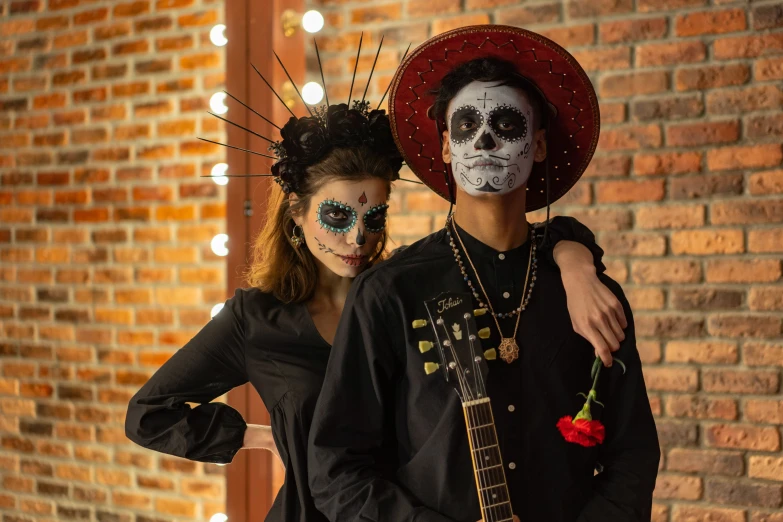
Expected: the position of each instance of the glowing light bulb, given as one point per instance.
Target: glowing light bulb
(312, 92)
(219, 173)
(216, 310)
(218, 35)
(218, 245)
(218, 517)
(312, 21)
(218, 103)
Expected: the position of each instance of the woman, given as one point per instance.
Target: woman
(326, 226)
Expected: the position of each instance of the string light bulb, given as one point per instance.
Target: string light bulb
(218, 173)
(312, 92)
(218, 245)
(216, 310)
(218, 103)
(312, 21)
(218, 35)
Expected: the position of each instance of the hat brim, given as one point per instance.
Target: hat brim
(572, 132)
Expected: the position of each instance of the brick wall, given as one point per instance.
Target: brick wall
(686, 196)
(105, 264)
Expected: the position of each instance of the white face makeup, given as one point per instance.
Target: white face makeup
(344, 222)
(491, 138)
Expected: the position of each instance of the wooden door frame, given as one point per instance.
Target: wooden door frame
(253, 29)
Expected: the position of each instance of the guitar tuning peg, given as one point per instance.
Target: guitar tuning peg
(419, 323)
(484, 333)
(490, 354)
(425, 346)
(431, 367)
(478, 312)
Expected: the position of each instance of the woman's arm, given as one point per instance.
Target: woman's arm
(596, 313)
(160, 416)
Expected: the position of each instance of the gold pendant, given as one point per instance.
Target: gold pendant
(509, 351)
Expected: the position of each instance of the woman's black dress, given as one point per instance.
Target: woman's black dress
(276, 347)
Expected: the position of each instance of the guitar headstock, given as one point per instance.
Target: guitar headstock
(457, 343)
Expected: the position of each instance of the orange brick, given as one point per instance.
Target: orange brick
(770, 468)
(769, 69)
(763, 354)
(747, 212)
(765, 240)
(571, 36)
(131, 500)
(629, 191)
(764, 411)
(631, 137)
(766, 298)
(709, 462)
(742, 436)
(633, 30)
(671, 379)
(678, 487)
(699, 78)
(710, 22)
(666, 271)
(690, 513)
(635, 83)
(604, 59)
(752, 156)
(757, 382)
(706, 242)
(752, 46)
(739, 101)
(171, 506)
(744, 326)
(656, 54)
(200, 61)
(705, 352)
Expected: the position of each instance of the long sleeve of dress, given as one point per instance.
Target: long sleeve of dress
(347, 450)
(563, 228)
(622, 491)
(159, 416)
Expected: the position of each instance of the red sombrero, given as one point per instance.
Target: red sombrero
(573, 131)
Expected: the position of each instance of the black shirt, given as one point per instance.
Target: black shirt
(277, 348)
(388, 442)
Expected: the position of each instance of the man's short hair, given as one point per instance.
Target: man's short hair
(486, 70)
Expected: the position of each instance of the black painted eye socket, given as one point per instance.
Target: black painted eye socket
(465, 123)
(508, 123)
(335, 216)
(375, 218)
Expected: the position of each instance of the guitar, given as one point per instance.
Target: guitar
(463, 365)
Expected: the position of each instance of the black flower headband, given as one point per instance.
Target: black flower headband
(307, 140)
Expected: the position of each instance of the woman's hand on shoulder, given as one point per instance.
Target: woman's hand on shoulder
(596, 313)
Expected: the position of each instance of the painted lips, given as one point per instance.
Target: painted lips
(353, 260)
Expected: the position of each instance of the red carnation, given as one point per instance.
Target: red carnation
(580, 431)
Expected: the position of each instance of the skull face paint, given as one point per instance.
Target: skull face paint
(491, 138)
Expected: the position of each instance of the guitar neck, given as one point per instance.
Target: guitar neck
(487, 461)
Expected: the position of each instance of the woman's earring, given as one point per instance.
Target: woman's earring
(297, 238)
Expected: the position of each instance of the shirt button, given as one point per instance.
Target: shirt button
(512, 465)
(501, 256)
(511, 407)
(506, 295)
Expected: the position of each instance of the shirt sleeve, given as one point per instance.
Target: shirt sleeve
(629, 456)
(159, 416)
(350, 458)
(563, 228)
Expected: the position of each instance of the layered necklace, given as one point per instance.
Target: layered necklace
(509, 350)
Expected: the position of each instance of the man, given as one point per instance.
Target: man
(519, 124)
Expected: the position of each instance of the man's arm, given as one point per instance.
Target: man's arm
(629, 456)
(348, 470)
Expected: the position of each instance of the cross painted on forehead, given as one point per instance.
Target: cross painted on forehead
(485, 99)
